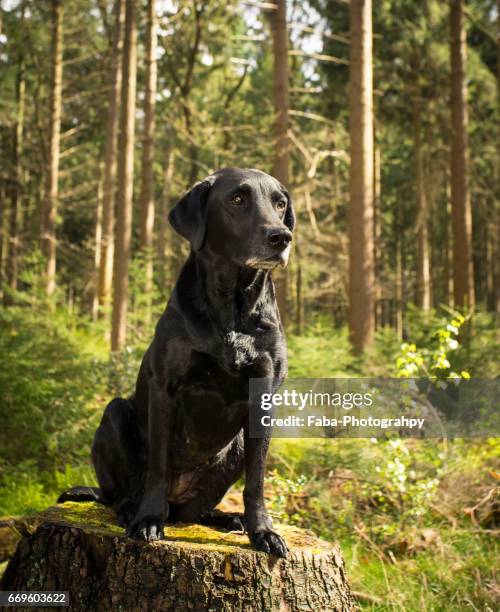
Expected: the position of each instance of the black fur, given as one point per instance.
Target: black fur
(173, 449)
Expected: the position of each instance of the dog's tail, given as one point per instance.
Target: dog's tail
(82, 494)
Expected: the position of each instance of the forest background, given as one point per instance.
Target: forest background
(384, 123)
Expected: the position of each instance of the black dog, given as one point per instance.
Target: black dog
(173, 449)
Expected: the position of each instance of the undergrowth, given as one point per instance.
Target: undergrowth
(416, 519)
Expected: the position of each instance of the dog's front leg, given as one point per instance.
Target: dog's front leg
(258, 522)
(153, 510)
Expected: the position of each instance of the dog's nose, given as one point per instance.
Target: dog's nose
(279, 238)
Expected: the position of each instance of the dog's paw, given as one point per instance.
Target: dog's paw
(146, 528)
(269, 542)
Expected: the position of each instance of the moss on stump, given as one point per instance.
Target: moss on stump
(79, 548)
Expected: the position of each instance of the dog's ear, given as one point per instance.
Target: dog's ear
(289, 219)
(189, 216)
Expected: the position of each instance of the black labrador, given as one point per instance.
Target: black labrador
(174, 448)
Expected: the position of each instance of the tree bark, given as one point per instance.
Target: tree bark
(299, 293)
(279, 32)
(125, 181)
(3, 235)
(185, 88)
(78, 548)
(463, 271)
(15, 204)
(109, 184)
(162, 227)
(399, 272)
(448, 269)
(147, 205)
(360, 214)
(48, 242)
(98, 247)
(496, 213)
(423, 260)
(377, 231)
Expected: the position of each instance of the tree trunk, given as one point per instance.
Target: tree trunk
(125, 181)
(185, 90)
(360, 214)
(78, 548)
(496, 211)
(463, 272)
(277, 21)
(48, 242)
(109, 185)
(162, 226)
(299, 293)
(399, 287)
(377, 231)
(98, 247)
(448, 269)
(147, 204)
(423, 261)
(3, 235)
(17, 179)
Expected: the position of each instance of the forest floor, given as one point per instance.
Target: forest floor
(418, 521)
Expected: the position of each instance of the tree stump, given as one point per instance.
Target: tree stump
(79, 548)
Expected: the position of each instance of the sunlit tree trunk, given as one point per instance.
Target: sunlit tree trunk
(463, 273)
(423, 259)
(16, 193)
(277, 21)
(109, 183)
(147, 205)
(360, 215)
(48, 242)
(125, 181)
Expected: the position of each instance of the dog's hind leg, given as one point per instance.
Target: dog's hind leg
(211, 485)
(118, 458)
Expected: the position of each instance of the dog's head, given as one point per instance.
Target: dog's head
(244, 215)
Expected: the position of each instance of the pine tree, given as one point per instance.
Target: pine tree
(125, 180)
(360, 216)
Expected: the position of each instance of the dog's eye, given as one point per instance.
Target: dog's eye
(237, 200)
(281, 205)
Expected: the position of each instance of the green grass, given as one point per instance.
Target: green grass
(457, 575)
(25, 490)
(62, 392)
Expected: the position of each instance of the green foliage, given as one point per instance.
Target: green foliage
(435, 362)
(55, 372)
(50, 377)
(401, 509)
(321, 352)
(24, 489)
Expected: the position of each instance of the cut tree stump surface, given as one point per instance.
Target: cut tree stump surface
(79, 548)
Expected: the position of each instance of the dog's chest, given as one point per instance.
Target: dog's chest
(212, 407)
(240, 350)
